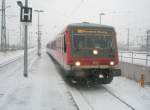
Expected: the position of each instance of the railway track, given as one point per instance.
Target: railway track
(124, 102)
(11, 60)
(94, 97)
(87, 99)
(15, 64)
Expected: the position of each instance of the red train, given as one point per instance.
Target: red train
(87, 51)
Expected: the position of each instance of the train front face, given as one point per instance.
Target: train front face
(94, 52)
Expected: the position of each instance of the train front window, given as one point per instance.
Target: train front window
(99, 42)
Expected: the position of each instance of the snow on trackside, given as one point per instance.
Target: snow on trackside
(10, 55)
(131, 92)
(42, 90)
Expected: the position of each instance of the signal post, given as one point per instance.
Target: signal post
(25, 18)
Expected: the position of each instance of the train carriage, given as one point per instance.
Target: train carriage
(87, 51)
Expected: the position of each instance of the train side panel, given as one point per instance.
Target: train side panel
(61, 50)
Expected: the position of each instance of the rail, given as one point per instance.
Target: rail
(83, 103)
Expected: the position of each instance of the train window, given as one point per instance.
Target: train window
(101, 42)
(64, 43)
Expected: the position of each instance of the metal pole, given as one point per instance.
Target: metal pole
(147, 41)
(39, 34)
(100, 15)
(39, 47)
(100, 18)
(26, 46)
(20, 36)
(8, 40)
(128, 39)
(3, 27)
(147, 48)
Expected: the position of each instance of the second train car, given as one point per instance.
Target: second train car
(87, 51)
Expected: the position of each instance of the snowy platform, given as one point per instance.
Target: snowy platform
(42, 90)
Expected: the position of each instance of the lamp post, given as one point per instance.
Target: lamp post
(128, 39)
(100, 15)
(39, 33)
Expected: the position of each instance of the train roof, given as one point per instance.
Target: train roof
(86, 24)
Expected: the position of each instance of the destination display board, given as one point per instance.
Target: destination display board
(92, 31)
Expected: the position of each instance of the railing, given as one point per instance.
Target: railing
(133, 57)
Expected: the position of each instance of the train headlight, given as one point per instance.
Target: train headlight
(77, 63)
(95, 52)
(112, 63)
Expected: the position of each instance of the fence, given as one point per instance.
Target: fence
(139, 58)
(133, 64)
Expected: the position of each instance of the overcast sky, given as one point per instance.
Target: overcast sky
(121, 14)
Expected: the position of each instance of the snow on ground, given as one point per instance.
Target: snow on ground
(121, 94)
(5, 56)
(97, 98)
(11, 55)
(131, 92)
(42, 90)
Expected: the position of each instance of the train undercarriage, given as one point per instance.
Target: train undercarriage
(93, 76)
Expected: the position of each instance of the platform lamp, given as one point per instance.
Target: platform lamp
(100, 15)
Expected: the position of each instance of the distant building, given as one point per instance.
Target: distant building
(148, 40)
